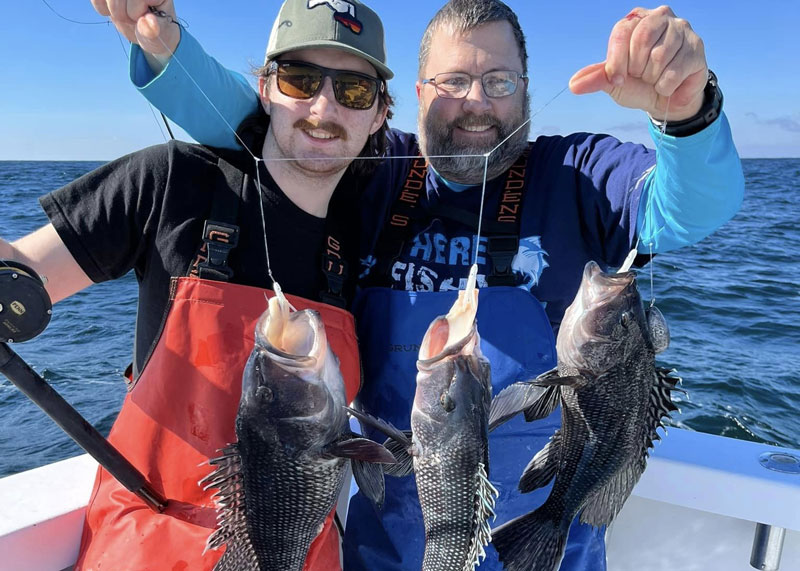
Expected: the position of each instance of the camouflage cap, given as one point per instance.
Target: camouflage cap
(346, 25)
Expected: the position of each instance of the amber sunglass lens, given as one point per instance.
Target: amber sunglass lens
(299, 82)
(355, 92)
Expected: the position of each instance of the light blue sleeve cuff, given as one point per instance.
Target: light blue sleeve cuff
(195, 91)
(696, 186)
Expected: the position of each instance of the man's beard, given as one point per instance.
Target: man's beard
(436, 139)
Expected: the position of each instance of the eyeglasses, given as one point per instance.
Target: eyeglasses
(456, 85)
(303, 80)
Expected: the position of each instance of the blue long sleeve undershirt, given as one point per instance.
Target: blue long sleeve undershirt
(696, 185)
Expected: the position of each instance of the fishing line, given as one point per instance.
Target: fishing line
(486, 156)
(256, 159)
(486, 166)
(626, 265)
(662, 132)
(275, 285)
(127, 55)
(197, 85)
(152, 111)
(649, 207)
(260, 159)
(480, 211)
(73, 21)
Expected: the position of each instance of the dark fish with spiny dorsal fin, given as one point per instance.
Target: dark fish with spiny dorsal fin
(613, 398)
(281, 479)
(448, 445)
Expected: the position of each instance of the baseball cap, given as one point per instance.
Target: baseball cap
(346, 25)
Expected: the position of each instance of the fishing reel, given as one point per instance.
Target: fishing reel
(25, 306)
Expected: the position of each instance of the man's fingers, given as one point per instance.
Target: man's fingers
(157, 35)
(148, 27)
(645, 37)
(687, 67)
(690, 92)
(590, 79)
(662, 54)
(681, 87)
(139, 8)
(118, 10)
(101, 7)
(619, 46)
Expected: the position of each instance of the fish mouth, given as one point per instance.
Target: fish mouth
(453, 333)
(295, 339)
(579, 327)
(435, 346)
(599, 288)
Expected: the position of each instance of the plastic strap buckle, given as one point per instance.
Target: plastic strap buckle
(501, 250)
(335, 271)
(219, 239)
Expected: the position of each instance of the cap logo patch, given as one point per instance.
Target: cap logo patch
(344, 12)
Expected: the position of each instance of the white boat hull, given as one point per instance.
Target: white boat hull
(695, 509)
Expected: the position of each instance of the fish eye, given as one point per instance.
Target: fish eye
(448, 404)
(264, 394)
(625, 319)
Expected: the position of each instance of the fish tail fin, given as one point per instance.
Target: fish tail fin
(532, 542)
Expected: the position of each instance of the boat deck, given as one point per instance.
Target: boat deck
(695, 508)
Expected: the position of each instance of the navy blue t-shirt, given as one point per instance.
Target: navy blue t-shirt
(581, 198)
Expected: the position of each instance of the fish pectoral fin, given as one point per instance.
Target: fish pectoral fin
(362, 449)
(554, 380)
(603, 505)
(381, 425)
(543, 466)
(398, 444)
(534, 400)
(369, 478)
(404, 465)
(544, 406)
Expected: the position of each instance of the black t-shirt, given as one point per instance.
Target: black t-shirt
(146, 212)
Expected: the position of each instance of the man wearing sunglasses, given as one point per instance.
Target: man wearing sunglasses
(550, 206)
(205, 230)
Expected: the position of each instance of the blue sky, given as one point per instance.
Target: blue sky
(66, 93)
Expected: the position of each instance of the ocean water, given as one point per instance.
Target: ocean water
(732, 303)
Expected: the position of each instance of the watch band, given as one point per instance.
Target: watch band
(709, 111)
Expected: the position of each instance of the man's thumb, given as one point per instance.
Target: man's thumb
(590, 79)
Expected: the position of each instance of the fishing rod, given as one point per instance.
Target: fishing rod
(25, 311)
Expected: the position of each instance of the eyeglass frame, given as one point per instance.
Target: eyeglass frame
(272, 68)
(432, 81)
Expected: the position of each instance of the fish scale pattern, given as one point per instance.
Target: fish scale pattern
(452, 447)
(275, 506)
(447, 487)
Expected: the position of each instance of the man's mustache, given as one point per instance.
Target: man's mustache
(333, 128)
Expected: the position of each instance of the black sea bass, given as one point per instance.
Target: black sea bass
(613, 399)
(449, 423)
(282, 478)
(448, 446)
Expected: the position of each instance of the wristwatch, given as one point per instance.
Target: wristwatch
(709, 111)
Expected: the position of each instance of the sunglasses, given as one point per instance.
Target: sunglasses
(302, 80)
